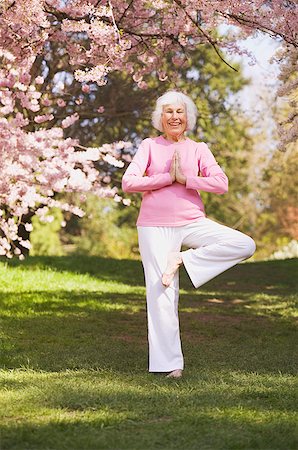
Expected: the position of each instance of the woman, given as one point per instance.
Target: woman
(166, 169)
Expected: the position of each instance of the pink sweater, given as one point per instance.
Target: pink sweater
(166, 203)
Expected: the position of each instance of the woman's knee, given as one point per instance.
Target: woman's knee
(248, 246)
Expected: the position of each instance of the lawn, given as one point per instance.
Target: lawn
(74, 359)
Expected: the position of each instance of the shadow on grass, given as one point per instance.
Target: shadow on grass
(220, 323)
(201, 430)
(102, 398)
(92, 413)
(274, 277)
(125, 271)
(62, 330)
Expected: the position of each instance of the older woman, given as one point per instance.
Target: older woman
(170, 170)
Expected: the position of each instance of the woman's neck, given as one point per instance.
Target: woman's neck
(174, 138)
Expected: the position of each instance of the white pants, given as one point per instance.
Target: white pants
(214, 248)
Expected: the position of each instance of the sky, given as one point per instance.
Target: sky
(263, 74)
(259, 97)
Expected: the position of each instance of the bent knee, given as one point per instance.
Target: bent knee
(249, 247)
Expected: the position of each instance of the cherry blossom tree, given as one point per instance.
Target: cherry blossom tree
(288, 124)
(37, 160)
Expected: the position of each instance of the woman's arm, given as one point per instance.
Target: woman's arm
(213, 178)
(133, 179)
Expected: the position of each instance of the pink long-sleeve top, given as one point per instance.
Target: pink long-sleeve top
(167, 203)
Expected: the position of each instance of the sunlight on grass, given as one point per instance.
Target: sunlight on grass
(274, 304)
(74, 357)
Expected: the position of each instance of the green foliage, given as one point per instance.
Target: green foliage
(74, 359)
(99, 234)
(276, 225)
(45, 238)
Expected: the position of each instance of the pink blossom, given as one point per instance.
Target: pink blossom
(48, 218)
(86, 88)
(117, 198)
(68, 121)
(113, 161)
(46, 102)
(19, 121)
(61, 103)
(43, 118)
(137, 77)
(96, 74)
(106, 179)
(25, 78)
(77, 211)
(28, 226)
(101, 109)
(25, 244)
(39, 80)
(162, 76)
(178, 60)
(142, 85)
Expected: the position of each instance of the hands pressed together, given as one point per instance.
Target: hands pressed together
(175, 169)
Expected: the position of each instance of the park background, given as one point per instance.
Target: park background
(73, 313)
(238, 117)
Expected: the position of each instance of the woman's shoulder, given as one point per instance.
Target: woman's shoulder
(152, 139)
(195, 141)
(200, 145)
(148, 140)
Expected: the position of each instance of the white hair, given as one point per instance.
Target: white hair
(175, 97)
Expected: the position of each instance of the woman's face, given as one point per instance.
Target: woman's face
(173, 119)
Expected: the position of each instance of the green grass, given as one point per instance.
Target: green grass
(74, 359)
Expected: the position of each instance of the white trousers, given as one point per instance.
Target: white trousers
(213, 248)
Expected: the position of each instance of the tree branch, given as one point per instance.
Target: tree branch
(253, 24)
(179, 4)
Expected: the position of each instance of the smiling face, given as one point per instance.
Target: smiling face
(173, 120)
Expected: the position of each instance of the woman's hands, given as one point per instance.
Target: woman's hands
(180, 177)
(175, 169)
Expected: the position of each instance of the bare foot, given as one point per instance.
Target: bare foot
(174, 261)
(175, 374)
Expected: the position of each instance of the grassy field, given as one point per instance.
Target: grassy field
(74, 359)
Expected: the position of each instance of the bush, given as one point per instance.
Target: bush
(44, 238)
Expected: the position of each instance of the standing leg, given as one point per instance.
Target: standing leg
(165, 353)
(214, 249)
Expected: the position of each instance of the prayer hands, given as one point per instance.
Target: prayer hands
(175, 169)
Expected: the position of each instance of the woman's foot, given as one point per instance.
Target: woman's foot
(174, 261)
(175, 374)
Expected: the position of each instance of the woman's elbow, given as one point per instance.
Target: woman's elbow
(225, 189)
(224, 185)
(125, 185)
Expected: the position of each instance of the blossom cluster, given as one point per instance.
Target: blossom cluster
(121, 32)
(289, 250)
(36, 165)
